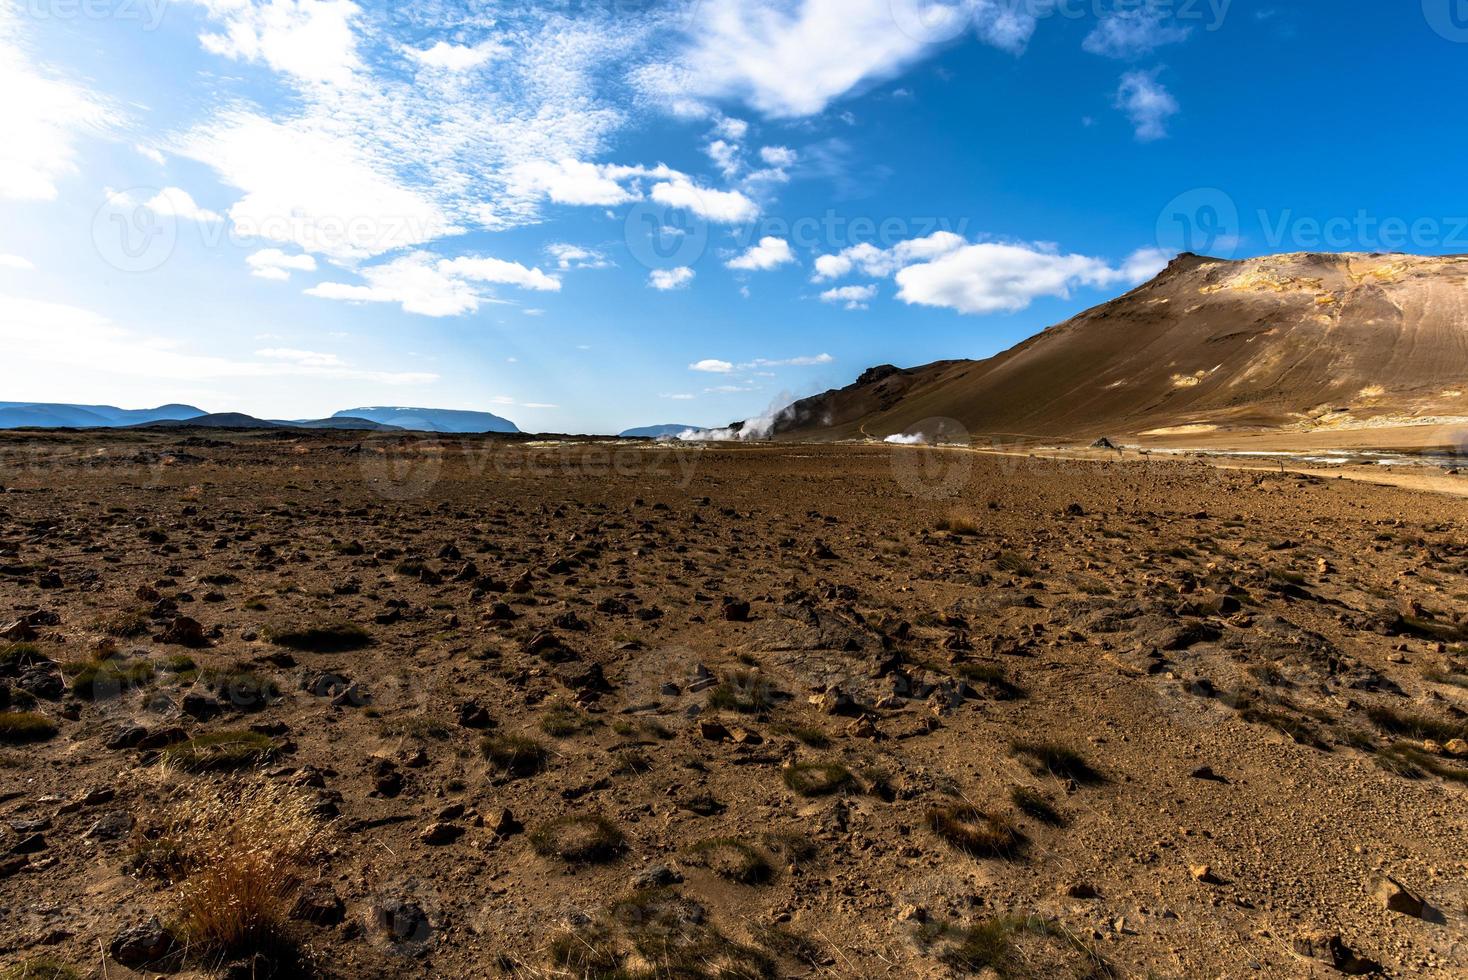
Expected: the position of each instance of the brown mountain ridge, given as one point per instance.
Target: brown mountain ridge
(1305, 343)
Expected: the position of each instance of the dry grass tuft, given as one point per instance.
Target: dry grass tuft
(236, 854)
(17, 727)
(975, 832)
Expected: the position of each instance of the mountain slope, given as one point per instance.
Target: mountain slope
(432, 419)
(1306, 341)
(658, 431)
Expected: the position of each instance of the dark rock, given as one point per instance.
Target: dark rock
(319, 905)
(141, 945)
(440, 834)
(185, 632)
(656, 876)
(401, 920)
(473, 715)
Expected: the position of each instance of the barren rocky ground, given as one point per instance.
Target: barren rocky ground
(334, 705)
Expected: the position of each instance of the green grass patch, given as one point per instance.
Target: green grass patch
(332, 638)
(222, 751)
(818, 778)
(21, 727)
(974, 832)
(580, 839)
(40, 968)
(1050, 758)
(101, 680)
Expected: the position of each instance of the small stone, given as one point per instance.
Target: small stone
(1328, 947)
(142, 944)
(440, 834)
(1203, 873)
(1395, 897)
(1457, 748)
(1080, 890)
(657, 876)
(713, 731)
(319, 905)
(507, 825)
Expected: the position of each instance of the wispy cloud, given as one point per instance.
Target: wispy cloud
(1148, 104)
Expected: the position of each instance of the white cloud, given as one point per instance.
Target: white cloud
(574, 182)
(501, 272)
(712, 366)
(680, 397)
(1145, 263)
(853, 297)
(306, 357)
(577, 256)
(761, 362)
(16, 262)
(312, 40)
(1127, 34)
(664, 280)
(306, 186)
(996, 278)
(42, 116)
(1147, 102)
(151, 153)
(720, 207)
(43, 336)
(180, 204)
(792, 58)
(778, 156)
(455, 57)
(770, 253)
(272, 263)
(725, 156)
(879, 263)
(428, 286)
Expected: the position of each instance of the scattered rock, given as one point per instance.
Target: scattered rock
(142, 945)
(1392, 895)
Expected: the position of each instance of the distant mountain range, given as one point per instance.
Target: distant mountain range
(41, 415)
(658, 431)
(432, 419)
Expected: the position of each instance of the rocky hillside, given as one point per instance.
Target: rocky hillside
(1303, 341)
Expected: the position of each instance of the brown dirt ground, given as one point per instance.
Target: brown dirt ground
(912, 615)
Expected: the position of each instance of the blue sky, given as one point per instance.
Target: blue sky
(592, 214)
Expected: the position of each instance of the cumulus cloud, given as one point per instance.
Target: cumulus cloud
(879, 263)
(272, 263)
(852, 297)
(311, 40)
(712, 366)
(665, 280)
(1148, 104)
(576, 256)
(995, 278)
(16, 262)
(1127, 34)
(770, 253)
(424, 284)
(455, 57)
(719, 207)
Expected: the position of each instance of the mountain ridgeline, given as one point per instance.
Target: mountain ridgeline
(1306, 342)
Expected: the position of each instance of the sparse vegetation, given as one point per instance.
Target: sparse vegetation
(1049, 758)
(1013, 563)
(1416, 726)
(818, 778)
(126, 624)
(236, 855)
(579, 839)
(20, 727)
(333, 638)
(564, 721)
(99, 680)
(1036, 805)
(974, 832)
(514, 755)
(805, 734)
(222, 751)
(40, 968)
(734, 859)
(744, 691)
(992, 678)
